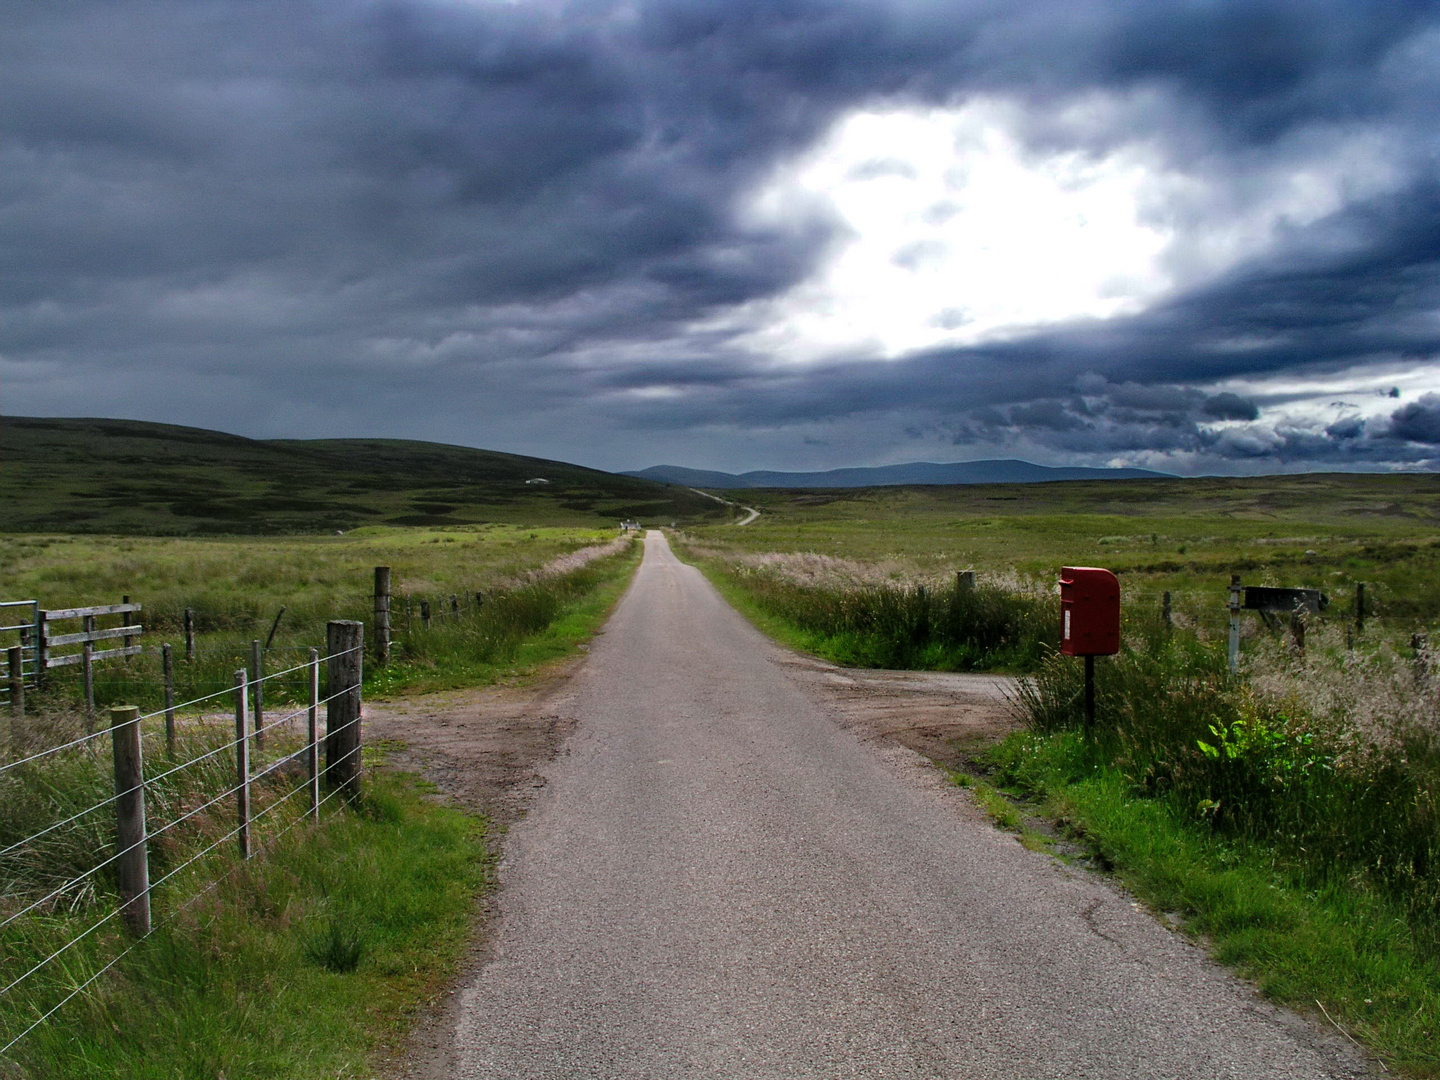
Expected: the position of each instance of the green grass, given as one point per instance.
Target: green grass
(1335, 940)
(307, 962)
(237, 586)
(1185, 536)
(129, 477)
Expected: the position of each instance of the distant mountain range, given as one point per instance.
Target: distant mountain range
(1008, 471)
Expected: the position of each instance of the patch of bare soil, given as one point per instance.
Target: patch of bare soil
(942, 715)
(483, 749)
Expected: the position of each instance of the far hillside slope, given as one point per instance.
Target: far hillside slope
(126, 476)
(1009, 471)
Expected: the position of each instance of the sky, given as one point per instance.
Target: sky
(1198, 236)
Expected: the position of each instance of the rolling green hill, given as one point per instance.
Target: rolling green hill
(125, 476)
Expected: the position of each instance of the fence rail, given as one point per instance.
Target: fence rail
(135, 794)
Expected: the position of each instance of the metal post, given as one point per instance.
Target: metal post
(167, 664)
(189, 635)
(42, 649)
(133, 859)
(16, 662)
(382, 615)
(344, 641)
(274, 626)
(1165, 612)
(1234, 650)
(125, 620)
(87, 673)
(257, 691)
(242, 762)
(1089, 693)
(312, 745)
(1359, 608)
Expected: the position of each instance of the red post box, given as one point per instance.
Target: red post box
(1089, 611)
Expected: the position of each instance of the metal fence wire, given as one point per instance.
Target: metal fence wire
(235, 766)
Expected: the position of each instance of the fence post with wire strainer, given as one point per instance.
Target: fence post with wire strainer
(344, 641)
(242, 762)
(312, 746)
(133, 861)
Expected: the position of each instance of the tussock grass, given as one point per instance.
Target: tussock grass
(306, 962)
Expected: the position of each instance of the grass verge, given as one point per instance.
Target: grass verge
(304, 963)
(521, 632)
(1338, 943)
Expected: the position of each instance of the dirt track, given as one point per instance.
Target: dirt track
(738, 866)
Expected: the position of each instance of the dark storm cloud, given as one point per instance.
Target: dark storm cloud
(342, 214)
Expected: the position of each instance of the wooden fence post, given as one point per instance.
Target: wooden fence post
(479, 599)
(167, 665)
(344, 642)
(1418, 644)
(242, 762)
(382, 615)
(1359, 608)
(425, 613)
(454, 604)
(312, 745)
(133, 861)
(257, 691)
(189, 635)
(964, 579)
(1165, 612)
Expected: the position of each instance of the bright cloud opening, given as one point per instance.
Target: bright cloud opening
(958, 233)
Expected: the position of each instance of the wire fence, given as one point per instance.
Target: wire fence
(88, 840)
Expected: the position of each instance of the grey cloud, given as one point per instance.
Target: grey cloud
(1417, 422)
(523, 212)
(1228, 406)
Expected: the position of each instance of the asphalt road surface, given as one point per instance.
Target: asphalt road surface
(720, 881)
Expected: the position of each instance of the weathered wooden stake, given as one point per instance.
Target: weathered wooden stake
(965, 579)
(1297, 633)
(382, 615)
(1166, 615)
(1418, 644)
(87, 673)
(1359, 607)
(257, 691)
(133, 860)
(312, 744)
(454, 604)
(242, 762)
(407, 614)
(344, 643)
(479, 599)
(189, 635)
(167, 665)
(425, 613)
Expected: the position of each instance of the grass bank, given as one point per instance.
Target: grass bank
(945, 626)
(309, 961)
(1310, 939)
